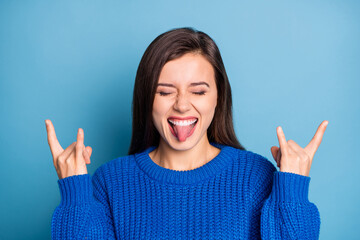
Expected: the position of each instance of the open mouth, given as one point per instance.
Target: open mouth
(182, 129)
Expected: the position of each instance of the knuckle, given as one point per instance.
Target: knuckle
(68, 161)
(61, 164)
(290, 141)
(290, 150)
(61, 159)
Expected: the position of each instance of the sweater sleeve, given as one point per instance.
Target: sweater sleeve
(84, 211)
(287, 212)
(281, 200)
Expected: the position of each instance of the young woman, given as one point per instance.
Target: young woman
(186, 175)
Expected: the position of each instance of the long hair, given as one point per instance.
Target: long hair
(166, 47)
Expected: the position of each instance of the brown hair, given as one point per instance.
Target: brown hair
(166, 47)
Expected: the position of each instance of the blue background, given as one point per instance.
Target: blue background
(290, 63)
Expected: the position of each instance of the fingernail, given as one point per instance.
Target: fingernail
(80, 132)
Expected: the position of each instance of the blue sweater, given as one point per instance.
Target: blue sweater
(237, 195)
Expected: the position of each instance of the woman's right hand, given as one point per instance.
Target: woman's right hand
(72, 160)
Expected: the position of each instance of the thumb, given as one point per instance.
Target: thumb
(275, 151)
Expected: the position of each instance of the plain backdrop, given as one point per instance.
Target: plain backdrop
(290, 63)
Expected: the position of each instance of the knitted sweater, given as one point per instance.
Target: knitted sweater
(237, 195)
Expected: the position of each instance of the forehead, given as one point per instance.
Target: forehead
(188, 68)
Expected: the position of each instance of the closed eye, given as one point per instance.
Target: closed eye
(163, 93)
(197, 93)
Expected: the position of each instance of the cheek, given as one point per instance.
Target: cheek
(160, 108)
(207, 106)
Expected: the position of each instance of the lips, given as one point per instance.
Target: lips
(171, 121)
(182, 118)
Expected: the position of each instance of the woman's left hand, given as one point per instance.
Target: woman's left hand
(290, 157)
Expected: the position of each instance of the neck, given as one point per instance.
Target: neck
(182, 160)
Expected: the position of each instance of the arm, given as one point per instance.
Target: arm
(287, 212)
(279, 205)
(84, 211)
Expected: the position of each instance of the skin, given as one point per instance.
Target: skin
(290, 157)
(183, 101)
(72, 160)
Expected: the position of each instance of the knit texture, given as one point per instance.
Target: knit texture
(237, 195)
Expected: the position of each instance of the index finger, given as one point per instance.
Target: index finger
(53, 142)
(282, 140)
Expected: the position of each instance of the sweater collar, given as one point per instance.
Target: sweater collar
(182, 177)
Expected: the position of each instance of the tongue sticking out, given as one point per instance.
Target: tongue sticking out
(183, 132)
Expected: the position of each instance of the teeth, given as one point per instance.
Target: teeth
(183, 123)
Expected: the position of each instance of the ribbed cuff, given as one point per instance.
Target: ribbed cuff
(75, 190)
(290, 187)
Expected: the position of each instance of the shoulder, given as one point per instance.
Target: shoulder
(254, 165)
(256, 160)
(116, 166)
(247, 160)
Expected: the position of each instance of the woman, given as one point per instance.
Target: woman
(186, 175)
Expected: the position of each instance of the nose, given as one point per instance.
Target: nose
(182, 103)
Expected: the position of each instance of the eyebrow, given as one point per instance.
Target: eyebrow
(191, 84)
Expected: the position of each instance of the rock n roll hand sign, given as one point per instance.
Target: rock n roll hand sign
(71, 161)
(290, 157)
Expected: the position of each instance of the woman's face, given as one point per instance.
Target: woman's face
(186, 89)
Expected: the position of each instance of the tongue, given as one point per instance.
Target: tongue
(183, 132)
